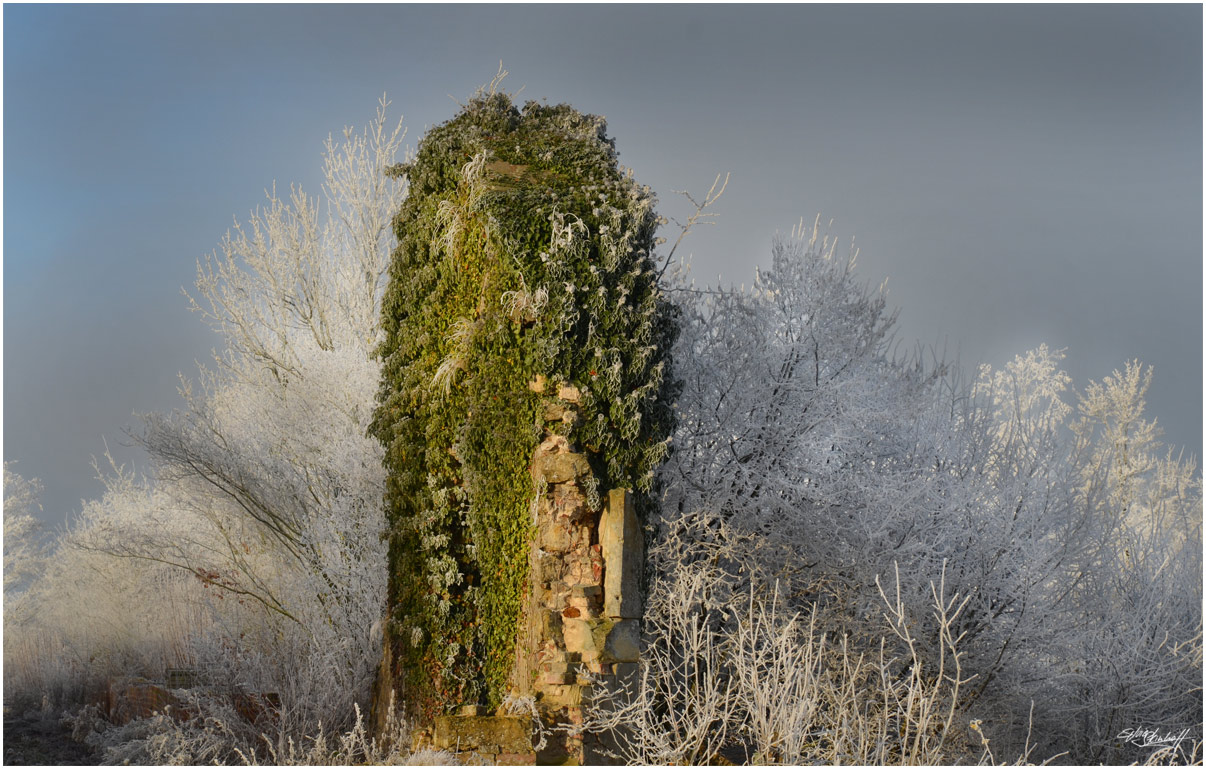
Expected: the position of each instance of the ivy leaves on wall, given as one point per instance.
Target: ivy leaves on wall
(524, 251)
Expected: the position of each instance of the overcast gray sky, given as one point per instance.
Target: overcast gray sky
(1022, 174)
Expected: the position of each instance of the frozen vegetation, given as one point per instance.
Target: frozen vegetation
(860, 556)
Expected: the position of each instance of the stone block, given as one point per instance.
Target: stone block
(537, 385)
(560, 468)
(583, 568)
(558, 412)
(556, 673)
(623, 546)
(550, 624)
(593, 593)
(569, 502)
(586, 598)
(554, 444)
(548, 568)
(580, 536)
(483, 734)
(553, 536)
(548, 651)
(623, 641)
(579, 636)
(515, 759)
(561, 696)
(605, 640)
(555, 667)
(569, 393)
(558, 591)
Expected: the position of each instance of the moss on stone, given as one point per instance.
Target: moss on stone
(524, 251)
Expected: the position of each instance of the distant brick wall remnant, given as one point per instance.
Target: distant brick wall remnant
(583, 608)
(131, 699)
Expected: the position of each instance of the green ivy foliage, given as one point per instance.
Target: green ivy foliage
(524, 251)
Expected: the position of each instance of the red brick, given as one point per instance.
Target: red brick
(515, 759)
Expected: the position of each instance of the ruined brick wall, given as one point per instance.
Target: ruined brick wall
(583, 607)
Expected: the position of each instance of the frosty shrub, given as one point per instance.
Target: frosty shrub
(727, 671)
(24, 558)
(1071, 534)
(215, 733)
(24, 540)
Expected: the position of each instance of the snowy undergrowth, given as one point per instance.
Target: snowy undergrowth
(215, 733)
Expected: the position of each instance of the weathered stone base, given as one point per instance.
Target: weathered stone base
(512, 740)
(485, 739)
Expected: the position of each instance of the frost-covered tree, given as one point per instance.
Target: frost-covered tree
(265, 490)
(25, 551)
(838, 462)
(1138, 603)
(24, 536)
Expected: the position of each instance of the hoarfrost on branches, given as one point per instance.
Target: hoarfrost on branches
(261, 521)
(1052, 514)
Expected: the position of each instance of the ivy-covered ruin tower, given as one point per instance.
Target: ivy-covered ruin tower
(524, 407)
